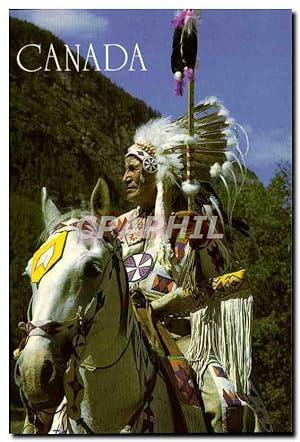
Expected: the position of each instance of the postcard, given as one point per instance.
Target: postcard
(150, 221)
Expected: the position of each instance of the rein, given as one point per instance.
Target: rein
(33, 417)
(96, 367)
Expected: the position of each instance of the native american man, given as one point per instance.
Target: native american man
(191, 280)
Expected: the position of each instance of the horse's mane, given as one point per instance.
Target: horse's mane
(76, 213)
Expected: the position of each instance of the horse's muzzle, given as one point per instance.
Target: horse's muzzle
(38, 375)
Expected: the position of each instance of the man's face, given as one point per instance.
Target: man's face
(137, 190)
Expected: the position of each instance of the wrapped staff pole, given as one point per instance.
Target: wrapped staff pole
(183, 60)
(189, 149)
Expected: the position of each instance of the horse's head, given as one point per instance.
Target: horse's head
(79, 300)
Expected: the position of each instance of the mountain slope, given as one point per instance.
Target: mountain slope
(66, 128)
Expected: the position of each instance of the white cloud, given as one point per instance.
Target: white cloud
(66, 23)
(269, 148)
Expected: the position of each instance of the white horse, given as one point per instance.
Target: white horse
(84, 344)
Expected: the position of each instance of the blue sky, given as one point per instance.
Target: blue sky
(245, 59)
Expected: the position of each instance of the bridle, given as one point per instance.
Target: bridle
(77, 328)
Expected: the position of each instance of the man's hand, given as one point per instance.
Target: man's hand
(137, 298)
(197, 228)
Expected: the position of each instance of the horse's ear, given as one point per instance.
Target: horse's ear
(49, 209)
(100, 200)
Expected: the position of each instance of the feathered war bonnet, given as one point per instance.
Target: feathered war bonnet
(161, 146)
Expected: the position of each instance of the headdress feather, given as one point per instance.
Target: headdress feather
(215, 145)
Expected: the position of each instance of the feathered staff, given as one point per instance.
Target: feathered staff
(212, 147)
(183, 60)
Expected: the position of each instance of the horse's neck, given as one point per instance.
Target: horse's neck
(115, 381)
(113, 394)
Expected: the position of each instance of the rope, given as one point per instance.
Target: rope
(84, 425)
(92, 367)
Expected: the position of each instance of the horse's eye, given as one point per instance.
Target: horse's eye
(92, 269)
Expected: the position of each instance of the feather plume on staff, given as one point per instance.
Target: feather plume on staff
(184, 50)
(183, 61)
